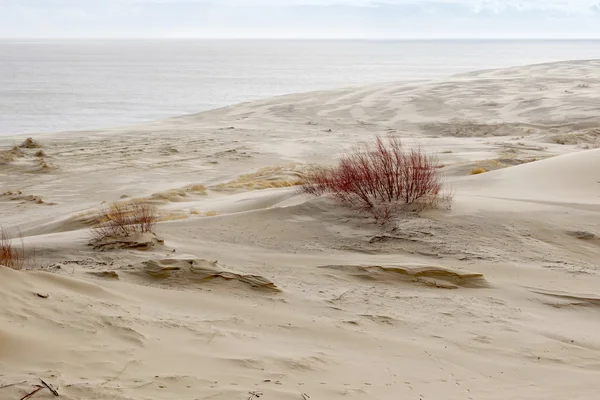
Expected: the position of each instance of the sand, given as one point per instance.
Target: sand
(259, 292)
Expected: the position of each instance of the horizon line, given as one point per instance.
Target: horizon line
(293, 38)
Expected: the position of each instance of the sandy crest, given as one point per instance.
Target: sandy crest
(269, 292)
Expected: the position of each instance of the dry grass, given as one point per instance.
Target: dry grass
(587, 137)
(171, 217)
(197, 189)
(506, 159)
(265, 178)
(175, 195)
(563, 139)
(29, 143)
(11, 256)
(125, 218)
(87, 218)
(381, 178)
(19, 196)
(478, 170)
(8, 156)
(44, 165)
(204, 214)
(169, 195)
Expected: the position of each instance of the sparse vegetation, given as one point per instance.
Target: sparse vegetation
(204, 214)
(560, 139)
(380, 178)
(265, 178)
(175, 195)
(43, 164)
(19, 196)
(197, 188)
(11, 256)
(7, 156)
(125, 218)
(586, 137)
(29, 143)
(478, 170)
(175, 216)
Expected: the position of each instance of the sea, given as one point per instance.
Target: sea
(71, 85)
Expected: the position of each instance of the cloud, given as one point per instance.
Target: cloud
(495, 5)
(300, 18)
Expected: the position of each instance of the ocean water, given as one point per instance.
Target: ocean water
(63, 85)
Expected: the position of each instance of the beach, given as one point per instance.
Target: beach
(259, 291)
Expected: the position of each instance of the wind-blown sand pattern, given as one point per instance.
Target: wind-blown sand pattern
(494, 299)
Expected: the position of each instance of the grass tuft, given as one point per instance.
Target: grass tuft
(478, 170)
(10, 255)
(29, 143)
(125, 218)
(265, 178)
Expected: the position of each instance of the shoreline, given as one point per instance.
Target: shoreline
(301, 94)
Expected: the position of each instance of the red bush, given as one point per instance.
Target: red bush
(379, 177)
(10, 255)
(125, 218)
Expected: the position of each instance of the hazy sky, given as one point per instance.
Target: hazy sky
(301, 18)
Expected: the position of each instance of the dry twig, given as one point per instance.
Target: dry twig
(342, 295)
(28, 395)
(12, 384)
(254, 395)
(50, 388)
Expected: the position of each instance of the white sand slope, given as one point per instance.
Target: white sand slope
(572, 178)
(260, 291)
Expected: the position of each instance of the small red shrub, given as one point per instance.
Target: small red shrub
(11, 256)
(125, 218)
(380, 177)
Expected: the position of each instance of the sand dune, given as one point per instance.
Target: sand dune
(260, 290)
(572, 178)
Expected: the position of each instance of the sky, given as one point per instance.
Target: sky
(338, 19)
